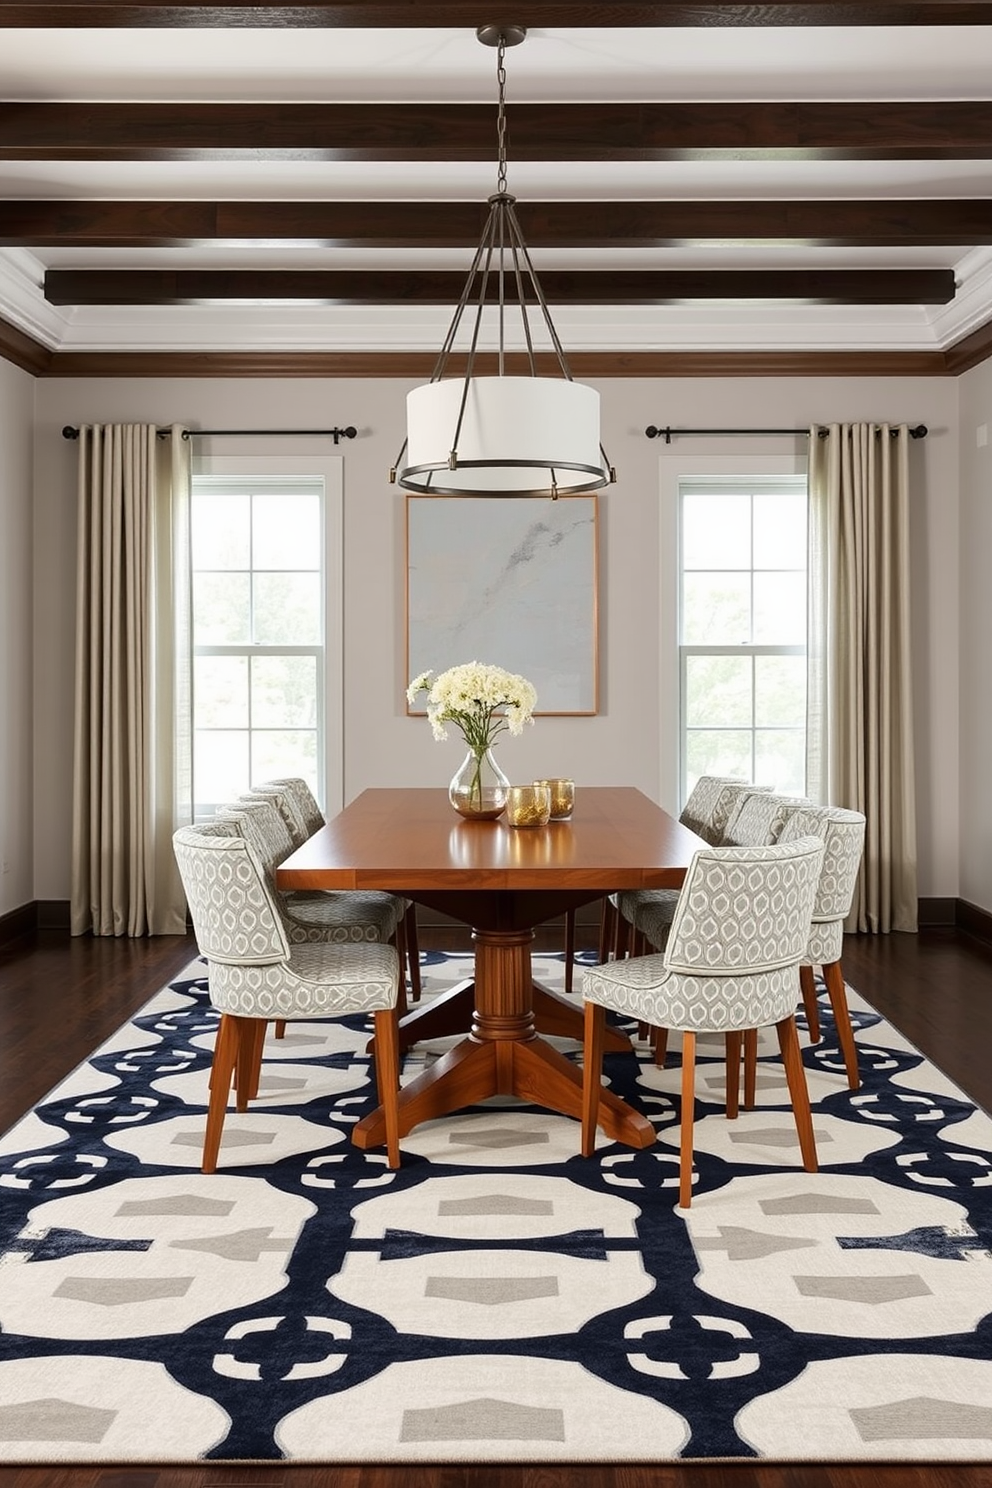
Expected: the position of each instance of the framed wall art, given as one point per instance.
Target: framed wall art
(509, 581)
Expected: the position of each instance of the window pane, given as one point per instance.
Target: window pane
(780, 691)
(276, 753)
(716, 609)
(287, 609)
(220, 765)
(717, 752)
(284, 692)
(780, 760)
(220, 531)
(718, 691)
(716, 531)
(220, 692)
(221, 612)
(780, 609)
(780, 531)
(286, 531)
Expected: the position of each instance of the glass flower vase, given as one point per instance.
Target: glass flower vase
(478, 787)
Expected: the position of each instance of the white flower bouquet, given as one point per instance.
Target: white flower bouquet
(480, 700)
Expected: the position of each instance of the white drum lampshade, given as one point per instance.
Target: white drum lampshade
(519, 436)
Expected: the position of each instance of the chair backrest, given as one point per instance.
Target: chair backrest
(258, 821)
(702, 801)
(727, 802)
(843, 836)
(744, 910)
(285, 804)
(302, 797)
(234, 917)
(759, 818)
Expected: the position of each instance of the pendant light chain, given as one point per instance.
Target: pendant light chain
(501, 116)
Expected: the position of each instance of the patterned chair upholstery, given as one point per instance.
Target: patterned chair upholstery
(708, 800)
(740, 931)
(843, 836)
(303, 799)
(301, 803)
(286, 806)
(350, 915)
(724, 801)
(255, 975)
(759, 817)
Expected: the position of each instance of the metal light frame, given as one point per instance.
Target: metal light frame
(546, 429)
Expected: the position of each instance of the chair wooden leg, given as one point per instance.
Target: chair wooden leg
(834, 978)
(592, 1073)
(569, 947)
(413, 950)
(399, 941)
(621, 939)
(733, 1058)
(387, 1079)
(221, 1074)
(795, 1073)
(750, 1067)
(685, 1136)
(807, 986)
(248, 1063)
(607, 931)
(280, 1029)
(660, 1047)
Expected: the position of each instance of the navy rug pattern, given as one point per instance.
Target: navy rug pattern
(499, 1297)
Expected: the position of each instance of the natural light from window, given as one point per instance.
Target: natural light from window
(258, 627)
(743, 629)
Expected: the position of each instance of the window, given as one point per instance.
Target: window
(742, 630)
(258, 626)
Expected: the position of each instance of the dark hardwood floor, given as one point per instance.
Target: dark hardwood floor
(59, 998)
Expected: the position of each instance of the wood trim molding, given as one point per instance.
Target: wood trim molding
(603, 364)
(22, 350)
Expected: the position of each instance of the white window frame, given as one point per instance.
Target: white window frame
(673, 465)
(330, 470)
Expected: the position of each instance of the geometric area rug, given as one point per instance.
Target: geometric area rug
(499, 1298)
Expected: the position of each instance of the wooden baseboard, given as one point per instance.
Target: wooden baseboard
(18, 922)
(936, 913)
(974, 921)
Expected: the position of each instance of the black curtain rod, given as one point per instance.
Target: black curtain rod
(919, 431)
(69, 432)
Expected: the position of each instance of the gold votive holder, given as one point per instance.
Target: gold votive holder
(562, 797)
(528, 805)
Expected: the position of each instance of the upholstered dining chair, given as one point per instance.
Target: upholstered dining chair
(843, 835)
(303, 806)
(740, 930)
(254, 974)
(705, 811)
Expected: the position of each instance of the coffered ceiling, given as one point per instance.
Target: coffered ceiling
(695, 182)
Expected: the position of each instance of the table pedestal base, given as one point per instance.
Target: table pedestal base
(503, 1054)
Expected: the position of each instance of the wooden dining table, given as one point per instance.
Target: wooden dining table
(502, 881)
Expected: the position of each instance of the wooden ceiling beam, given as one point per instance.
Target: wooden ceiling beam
(462, 14)
(625, 287)
(952, 129)
(564, 224)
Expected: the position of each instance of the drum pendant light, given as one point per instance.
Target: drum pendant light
(502, 435)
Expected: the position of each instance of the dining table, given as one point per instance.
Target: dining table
(502, 881)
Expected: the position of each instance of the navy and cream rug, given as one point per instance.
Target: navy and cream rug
(498, 1298)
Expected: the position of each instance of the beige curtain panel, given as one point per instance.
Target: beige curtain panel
(130, 762)
(860, 724)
